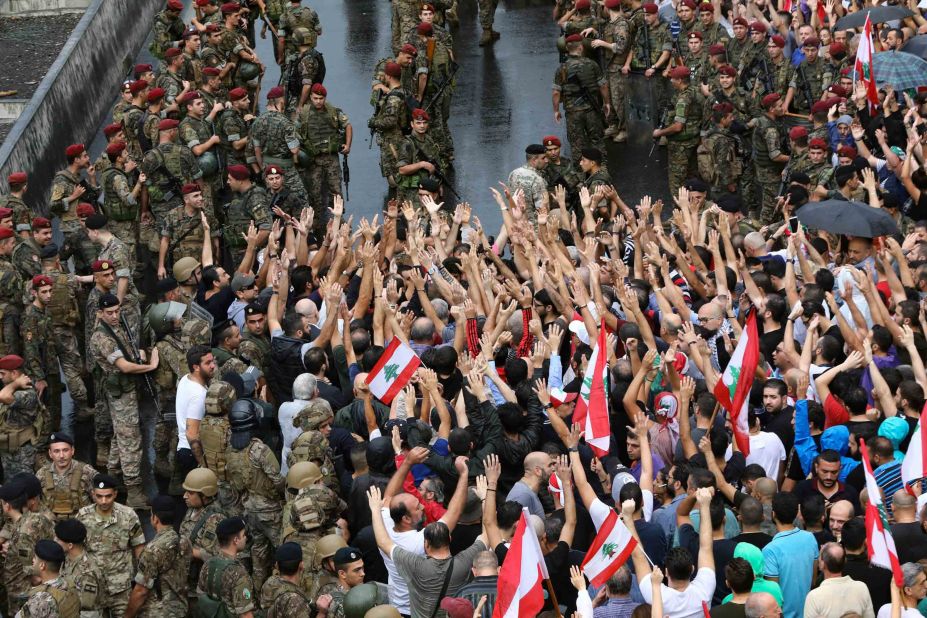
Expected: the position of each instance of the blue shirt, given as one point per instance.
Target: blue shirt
(888, 478)
(790, 557)
(665, 517)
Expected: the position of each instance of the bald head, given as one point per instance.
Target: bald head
(761, 605)
(535, 460)
(359, 385)
(423, 331)
(840, 513)
(307, 309)
(904, 507)
(833, 559)
(753, 243)
(765, 488)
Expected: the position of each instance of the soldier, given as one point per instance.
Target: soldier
(18, 182)
(168, 29)
(11, 295)
(166, 320)
(390, 121)
(326, 578)
(120, 202)
(419, 156)
(780, 70)
(427, 15)
(282, 595)
(192, 69)
(250, 205)
(167, 167)
(114, 133)
(23, 530)
(324, 132)
(718, 162)
(698, 59)
(114, 353)
(682, 126)
(769, 157)
(405, 15)
(819, 168)
(712, 31)
(114, 250)
(349, 565)
(182, 232)
(39, 354)
(148, 137)
(276, 143)
(233, 126)
(226, 337)
(22, 415)
(26, 254)
(224, 581)
(435, 69)
(51, 595)
(214, 57)
(201, 519)
(235, 45)
(254, 472)
(211, 90)
(255, 340)
(215, 432)
(594, 173)
(755, 51)
(656, 51)
(132, 119)
(68, 187)
(171, 81)
(124, 101)
(405, 58)
(161, 581)
(740, 46)
(104, 277)
(114, 536)
(312, 513)
(558, 171)
(66, 481)
(80, 570)
(279, 194)
(616, 42)
(810, 79)
(306, 67)
(296, 16)
(198, 134)
(529, 178)
(582, 88)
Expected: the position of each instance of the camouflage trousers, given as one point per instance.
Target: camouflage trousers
(68, 350)
(585, 129)
(389, 155)
(618, 95)
(10, 338)
(680, 163)
(768, 181)
(127, 232)
(117, 603)
(127, 454)
(323, 179)
(263, 528)
(487, 13)
(164, 442)
(404, 18)
(23, 460)
(749, 189)
(17, 593)
(440, 111)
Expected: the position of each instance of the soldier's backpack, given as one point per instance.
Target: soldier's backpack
(706, 163)
(66, 600)
(214, 436)
(294, 82)
(209, 604)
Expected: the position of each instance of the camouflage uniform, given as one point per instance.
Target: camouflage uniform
(281, 599)
(232, 44)
(321, 135)
(438, 69)
(194, 132)
(562, 172)
(132, 127)
(815, 77)
(231, 127)
(185, 233)
(41, 360)
(254, 472)
(275, 135)
(66, 318)
(737, 50)
(311, 515)
(168, 167)
(780, 74)
(681, 146)
(162, 569)
(618, 33)
(236, 590)
(26, 258)
(414, 149)
(150, 131)
(255, 349)
(239, 213)
(405, 15)
(55, 598)
(406, 80)
(198, 528)
(298, 16)
(713, 34)
(69, 491)
(192, 70)
(720, 146)
(685, 28)
(172, 365)
(85, 576)
(172, 83)
(21, 212)
(578, 80)
(767, 145)
(312, 446)
(166, 32)
(119, 254)
(80, 248)
(532, 183)
(390, 121)
(110, 541)
(122, 211)
(22, 423)
(286, 201)
(17, 564)
(307, 64)
(102, 416)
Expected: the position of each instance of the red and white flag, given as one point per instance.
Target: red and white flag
(592, 405)
(733, 389)
(520, 590)
(879, 539)
(393, 371)
(611, 548)
(555, 487)
(914, 466)
(863, 69)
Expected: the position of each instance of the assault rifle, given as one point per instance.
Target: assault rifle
(146, 377)
(444, 85)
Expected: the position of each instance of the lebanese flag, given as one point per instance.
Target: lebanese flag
(520, 590)
(733, 389)
(592, 405)
(914, 467)
(863, 69)
(393, 371)
(555, 487)
(611, 548)
(879, 539)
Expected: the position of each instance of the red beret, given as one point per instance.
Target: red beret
(574, 38)
(175, 5)
(11, 362)
(5, 233)
(818, 143)
(838, 90)
(837, 50)
(724, 108)
(141, 68)
(167, 124)
(706, 6)
(112, 129)
(172, 52)
(115, 148)
(811, 41)
(393, 69)
(239, 172)
(424, 29)
(273, 169)
(688, 3)
(275, 93)
(6, 213)
(40, 223)
(202, 3)
(798, 132)
(848, 152)
(612, 4)
(40, 280)
(191, 187)
(74, 150)
(420, 114)
(155, 94)
(17, 178)
(101, 266)
(137, 86)
(758, 26)
(680, 73)
(211, 28)
(778, 40)
(551, 140)
(230, 7)
(582, 4)
(319, 89)
(727, 70)
(193, 95)
(740, 21)
(211, 71)
(770, 99)
(428, 7)
(717, 50)
(695, 34)
(651, 8)
(408, 48)
(237, 94)
(819, 106)
(85, 210)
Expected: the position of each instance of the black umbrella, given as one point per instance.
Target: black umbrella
(877, 15)
(916, 45)
(850, 218)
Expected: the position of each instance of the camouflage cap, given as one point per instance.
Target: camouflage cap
(219, 397)
(311, 417)
(302, 36)
(196, 331)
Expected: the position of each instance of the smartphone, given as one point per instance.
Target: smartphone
(793, 225)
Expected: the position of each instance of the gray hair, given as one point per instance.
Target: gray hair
(758, 604)
(910, 571)
(304, 386)
(441, 308)
(422, 329)
(620, 582)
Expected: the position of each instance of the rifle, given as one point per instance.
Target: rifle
(133, 347)
(805, 86)
(648, 47)
(447, 82)
(437, 173)
(675, 29)
(346, 172)
(376, 109)
(767, 76)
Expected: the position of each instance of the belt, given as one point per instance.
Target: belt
(287, 163)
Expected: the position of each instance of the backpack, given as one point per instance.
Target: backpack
(706, 163)
(210, 604)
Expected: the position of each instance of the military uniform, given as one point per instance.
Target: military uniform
(11, 303)
(172, 365)
(150, 131)
(618, 33)
(132, 127)
(22, 423)
(231, 127)
(321, 135)
(390, 121)
(212, 56)
(720, 147)
(254, 349)
(275, 135)
(562, 172)
(578, 80)
(414, 149)
(285, 200)
(162, 569)
(185, 233)
(172, 84)
(308, 66)
(166, 32)
(102, 416)
(252, 205)
(312, 445)
(198, 528)
(235, 588)
(737, 50)
(298, 16)
(700, 66)
(312, 514)
(532, 184)
(41, 360)
(194, 132)
(685, 29)
(17, 564)
(119, 254)
(192, 69)
(55, 598)
(26, 258)
(110, 540)
(810, 77)
(80, 248)
(86, 578)
(168, 167)
(21, 212)
(69, 491)
(780, 74)
(767, 145)
(66, 319)
(281, 599)
(438, 68)
(121, 209)
(405, 15)
(681, 146)
(713, 34)
(406, 80)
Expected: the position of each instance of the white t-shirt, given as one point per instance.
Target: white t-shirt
(767, 450)
(285, 416)
(685, 604)
(411, 541)
(189, 404)
(909, 612)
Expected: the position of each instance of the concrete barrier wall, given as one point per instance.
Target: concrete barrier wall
(76, 93)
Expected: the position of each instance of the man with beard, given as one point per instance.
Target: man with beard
(191, 407)
(538, 468)
(826, 470)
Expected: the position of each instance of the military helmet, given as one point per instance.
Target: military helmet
(328, 545)
(219, 398)
(302, 36)
(242, 416)
(361, 599)
(303, 474)
(202, 480)
(313, 414)
(196, 331)
(246, 72)
(383, 611)
(208, 164)
(162, 315)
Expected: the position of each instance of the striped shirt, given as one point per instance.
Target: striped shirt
(888, 478)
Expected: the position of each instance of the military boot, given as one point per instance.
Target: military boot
(489, 37)
(136, 497)
(102, 454)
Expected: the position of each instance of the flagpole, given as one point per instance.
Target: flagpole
(714, 413)
(553, 598)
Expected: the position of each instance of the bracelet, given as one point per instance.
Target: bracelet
(272, 256)
(574, 449)
(490, 489)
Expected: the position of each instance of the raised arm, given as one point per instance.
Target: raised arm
(706, 553)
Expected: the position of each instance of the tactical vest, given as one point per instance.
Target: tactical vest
(63, 305)
(308, 516)
(12, 437)
(237, 221)
(325, 135)
(243, 476)
(115, 207)
(65, 502)
(67, 601)
(274, 612)
(214, 436)
(286, 364)
(260, 343)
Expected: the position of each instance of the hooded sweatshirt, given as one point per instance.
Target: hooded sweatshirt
(753, 555)
(835, 438)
